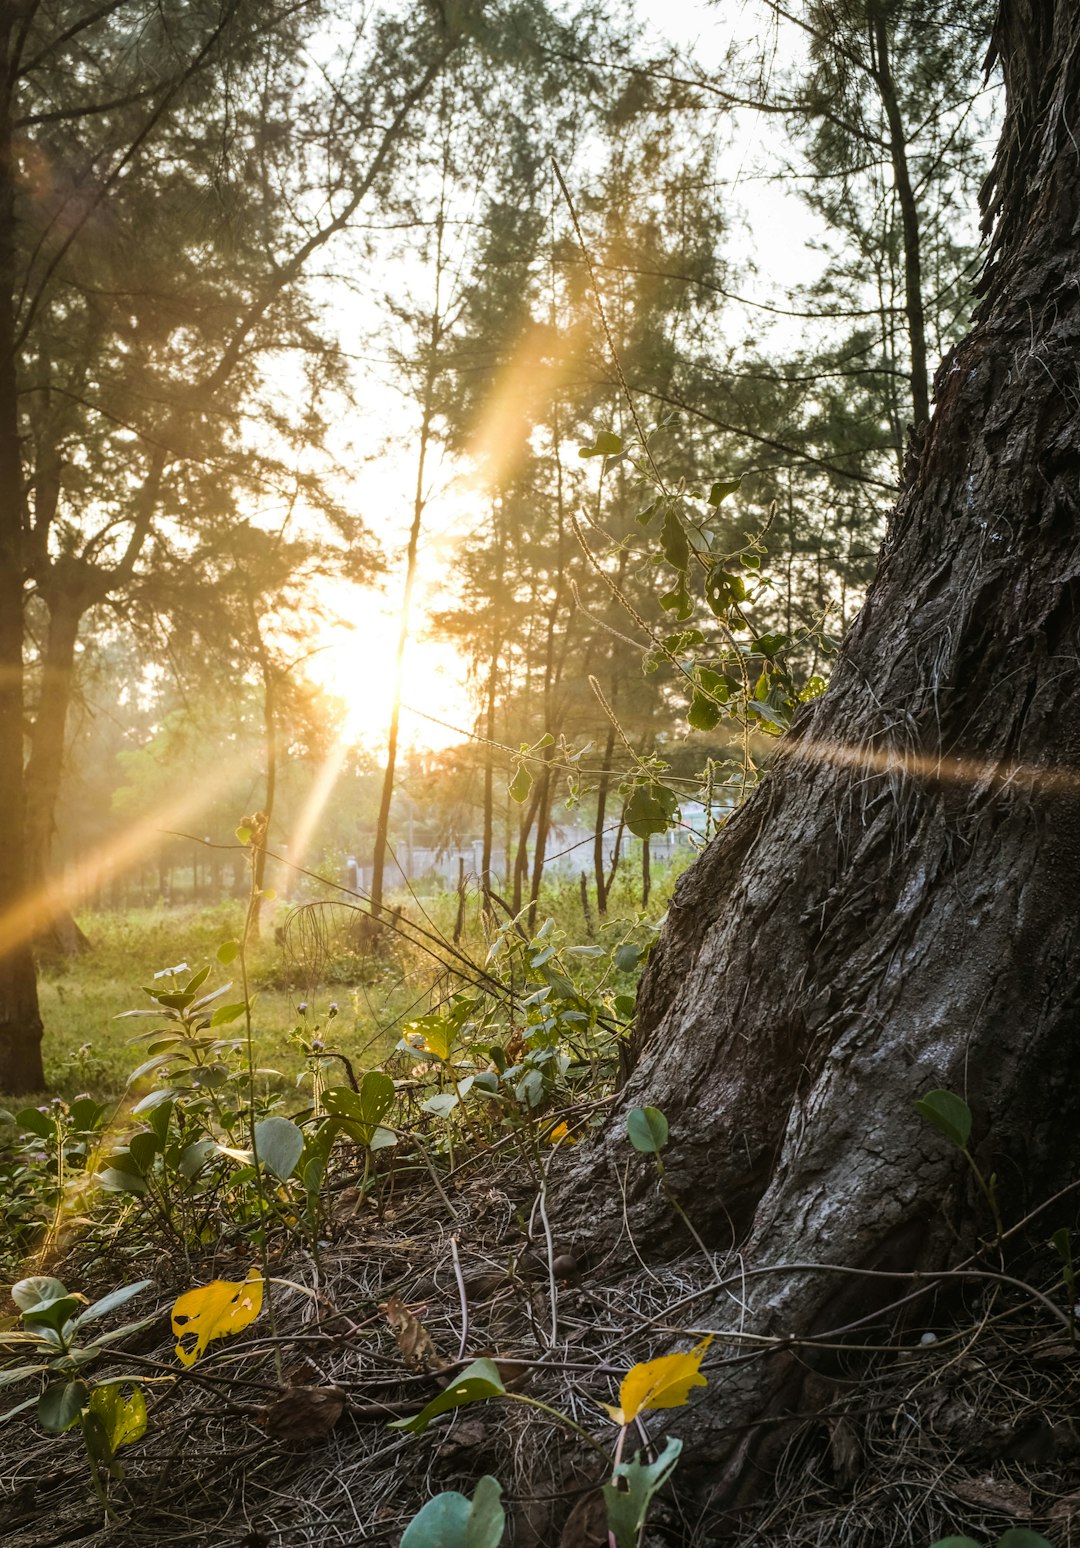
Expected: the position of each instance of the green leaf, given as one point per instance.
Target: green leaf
(39, 1288)
(684, 640)
(243, 835)
(607, 444)
(86, 1114)
(53, 1314)
(451, 1520)
(143, 1147)
(227, 952)
(948, 1113)
(956, 1542)
(703, 713)
(627, 1508)
(441, 1105)
(651, 809)
(60, 1405)
(627, 957)
(227, 1013)
(35, 1122)
(722, 488)
(194, 1157)
(647, 1130)
(678, 600)
(519, 787)
(280, 1144)
(770, 645)
(673, 540)
(113, 1180)
(478, 1381)
(122, 1418)
(723, 589)
(362, 1111)
(110, 1302)
(1021, 1537)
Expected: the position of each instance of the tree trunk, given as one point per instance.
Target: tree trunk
(20, 1021)
(57, 933)
(599, 864)
(893, 910)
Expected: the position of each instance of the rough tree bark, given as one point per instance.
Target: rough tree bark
(20, 1021)
(895, 908)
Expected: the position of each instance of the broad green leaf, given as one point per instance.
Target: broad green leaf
(519, 787)
(674, 541)
(361, 1111)
(627, 1508)
(114, 1180)
(704, 713)
(143, 1148)
(60, 1405)
(227, 1013)
(1021, 1537)
(110, 1302)
(647, 1130)
(39, 1288)
(723, 589)
(651, 809)
(956, 1542)
(35, 1122)
(771, 644)
(678, 600)
(194, 1157)
(451, 1520)
(663, 1383)
(441, 1105)
(212, 1311)
(122, 1418)
(948, 1113)
(478, 1381)
(53, 1308)
(86, 1114)
(626, 957)
(722, 488)
(280, 1144)
(607, 444)
(148, 1067)
(227, 952)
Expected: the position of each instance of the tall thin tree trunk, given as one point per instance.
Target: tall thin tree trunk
(20, 1020)
(909, 217)
(382, 825)
(599, 862)
(57, 931)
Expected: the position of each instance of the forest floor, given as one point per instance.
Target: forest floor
(388, 1276)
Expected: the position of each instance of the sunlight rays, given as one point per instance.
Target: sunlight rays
(952, 769)
(33, 914)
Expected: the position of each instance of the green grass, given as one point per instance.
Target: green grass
(87, 1049)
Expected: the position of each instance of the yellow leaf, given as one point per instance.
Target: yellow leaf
(214, 1311)
(560, 1134)
(663, 1383)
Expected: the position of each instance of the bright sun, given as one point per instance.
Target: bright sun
(355, 662)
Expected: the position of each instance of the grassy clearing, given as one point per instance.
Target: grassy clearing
(87, 1049)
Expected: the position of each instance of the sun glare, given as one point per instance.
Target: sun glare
(356, 664)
